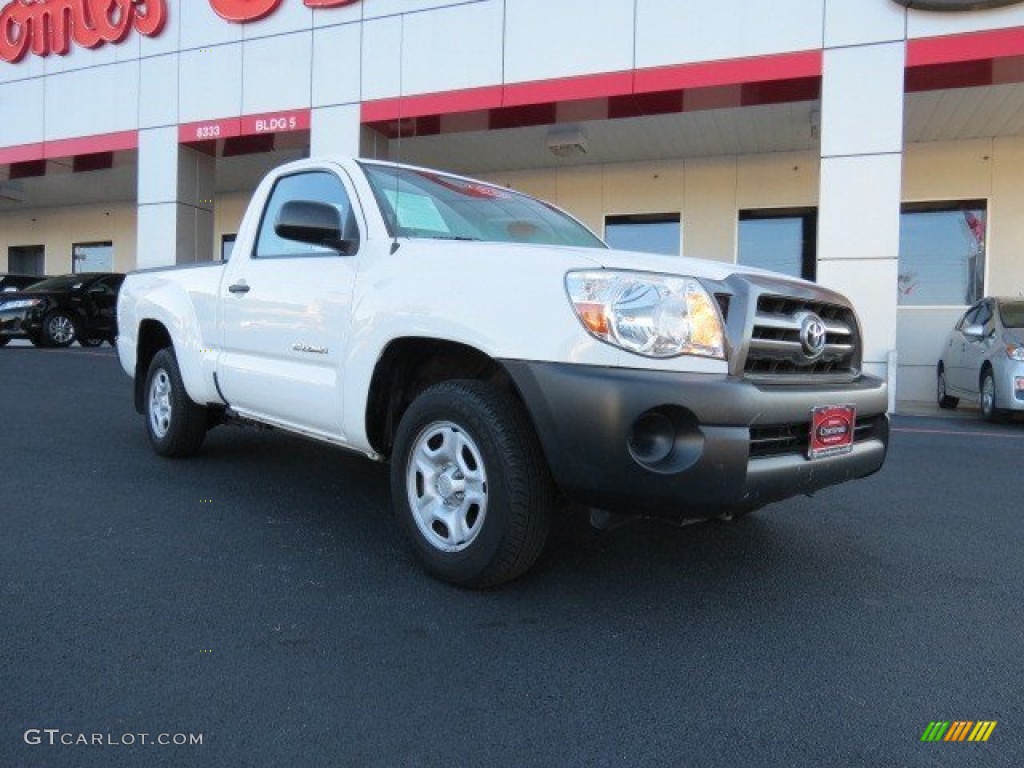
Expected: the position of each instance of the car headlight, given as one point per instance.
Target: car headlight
(1015, 352)
(21, 304)
(648, 314)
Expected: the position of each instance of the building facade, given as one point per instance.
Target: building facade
(875, 146)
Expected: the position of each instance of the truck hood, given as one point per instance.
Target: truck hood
(679, 265)
(562, 257)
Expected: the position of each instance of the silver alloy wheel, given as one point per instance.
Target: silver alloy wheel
(446, 484)
(160, 403)
(988, 395)
(61, 329)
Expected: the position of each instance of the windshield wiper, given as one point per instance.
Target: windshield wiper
(453, 237)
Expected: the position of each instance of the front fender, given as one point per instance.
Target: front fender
(185, 307)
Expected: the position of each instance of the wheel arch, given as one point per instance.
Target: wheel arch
(153, 336)
(409, 365)
(986, 367)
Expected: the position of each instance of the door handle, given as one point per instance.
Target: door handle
(238, 288)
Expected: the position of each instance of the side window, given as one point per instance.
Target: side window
(319, 186)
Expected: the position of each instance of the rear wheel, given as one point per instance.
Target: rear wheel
(469, 484)
(4, 340)
(945, 401)
(176, 425)
(90, 342)
(59, 329)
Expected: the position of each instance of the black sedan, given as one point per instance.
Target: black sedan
(10, 283)
(60, 310)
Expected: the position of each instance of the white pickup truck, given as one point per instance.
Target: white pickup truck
(503, 359)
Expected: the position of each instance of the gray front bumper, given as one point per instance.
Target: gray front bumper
(585, 417)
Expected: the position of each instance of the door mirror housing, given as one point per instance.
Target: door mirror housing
(974, 331)
(315, 223)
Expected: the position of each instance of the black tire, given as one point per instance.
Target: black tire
(987, 398)
(90, 342)
(36, 339)
(176, 425)
(4, 340)
(59, 329)
(945, 401)
(496, 453)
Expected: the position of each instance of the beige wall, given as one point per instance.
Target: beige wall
(58, 228)
(707, 192)
(227, 216)
(991, 169)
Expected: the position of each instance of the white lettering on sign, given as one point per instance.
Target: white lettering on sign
(208, 132)
(274, 124)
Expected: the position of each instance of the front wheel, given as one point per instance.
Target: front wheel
(469, 484)
(59, 329)
(4, 340)
(90, 342)
(988, 399)
(176, 425)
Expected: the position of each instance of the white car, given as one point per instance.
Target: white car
(502, 358)
(983, 359)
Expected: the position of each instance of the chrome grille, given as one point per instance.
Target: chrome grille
(775, 345)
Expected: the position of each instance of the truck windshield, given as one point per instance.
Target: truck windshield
(426, 204)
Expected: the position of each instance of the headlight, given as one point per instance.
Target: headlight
(21, 304)
(649, 314)
(1015, 352)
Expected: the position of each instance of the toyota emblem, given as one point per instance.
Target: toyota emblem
(812, 336)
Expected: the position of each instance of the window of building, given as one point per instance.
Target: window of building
(227, 246)
(92, 257)
(321, 186)
(942, 253)
(781, 240)
(26, 260)
(647, 232)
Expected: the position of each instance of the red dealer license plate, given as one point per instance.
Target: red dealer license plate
(832, 428)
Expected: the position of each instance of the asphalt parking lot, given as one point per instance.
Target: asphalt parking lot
(260, 596)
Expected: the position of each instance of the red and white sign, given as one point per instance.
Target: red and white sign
(241, 11)
(49, 26)
(832, 430)
(43, 27)
(247, 125)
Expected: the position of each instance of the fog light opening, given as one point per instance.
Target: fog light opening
(653, 437)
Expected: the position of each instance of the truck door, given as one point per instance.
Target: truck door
(284, 313)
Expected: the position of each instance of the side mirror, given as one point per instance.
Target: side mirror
(308, 221)
(974, 331)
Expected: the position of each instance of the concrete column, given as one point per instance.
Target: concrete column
(862, 165)
(335, 131)
(175, 197)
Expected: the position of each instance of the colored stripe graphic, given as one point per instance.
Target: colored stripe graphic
(982, 730)
(959, 730)
(935, 730)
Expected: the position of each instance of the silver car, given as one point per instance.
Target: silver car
(984, 359)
